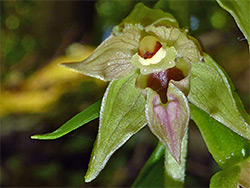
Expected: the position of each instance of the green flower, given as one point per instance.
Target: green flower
(155, 70)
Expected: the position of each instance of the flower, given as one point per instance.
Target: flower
(149, 61)
(162, 56)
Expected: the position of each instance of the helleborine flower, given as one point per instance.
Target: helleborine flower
(155, 68)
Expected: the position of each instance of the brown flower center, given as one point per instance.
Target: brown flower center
(159, 81)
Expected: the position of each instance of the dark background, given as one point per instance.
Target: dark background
(34, 34)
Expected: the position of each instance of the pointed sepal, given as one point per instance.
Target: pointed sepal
(112, 59)
(121, 116)
(212, 91)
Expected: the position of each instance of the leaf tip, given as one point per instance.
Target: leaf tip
(88, 177)
(34, 137)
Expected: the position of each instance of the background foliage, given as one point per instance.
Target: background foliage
(38, 96)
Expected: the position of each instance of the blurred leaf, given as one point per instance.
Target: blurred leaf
(42, 89)
(152, 174)
(77, 121)
(239, 9)
(139, 15)
(121, 116)
(212, 91)
(174, 172)
(178, 8)
(227, 178)
(226, 147)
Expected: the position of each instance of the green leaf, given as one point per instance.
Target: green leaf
(227, 178)
(112, 58)
(212, 91)
(77, 121)
(174, 172)
(240, 10)
(122, 115)
(146, 16)
(226, 147)
(152, 174)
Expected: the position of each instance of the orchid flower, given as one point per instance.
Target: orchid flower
(155, 70)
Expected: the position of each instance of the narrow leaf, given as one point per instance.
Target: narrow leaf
(77, 121)
(174, 172)
(240, 10)
(146, 16)
(226, 147)
(227, 178)
(152, 174)
(212, 91)
(122, 115)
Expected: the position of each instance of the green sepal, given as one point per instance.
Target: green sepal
(121, 116)
(227, 178)
(226, 147)
(240, 10)
(87, 115)
(112, 58)
(212, 91)
(145, 16)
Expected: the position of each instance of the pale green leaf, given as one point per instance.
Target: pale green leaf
(77, 121)
(226, 147)
(212, 91)
(240, 10)
(122, 115)
(152, 174)
(227, 178)
(174, 172)
(112, 58)
(145, 16)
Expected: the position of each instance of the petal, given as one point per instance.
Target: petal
(168, 121)
(121, 116)
(111, 60)
(184, 44)
(183, 84)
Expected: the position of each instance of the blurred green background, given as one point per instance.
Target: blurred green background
(37, 96)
